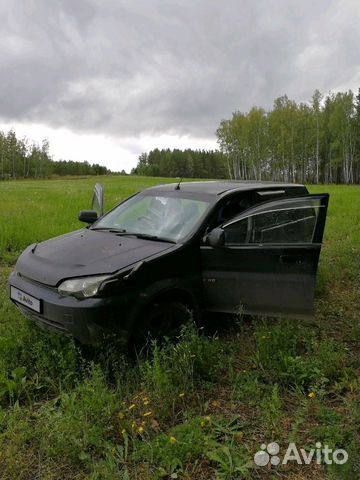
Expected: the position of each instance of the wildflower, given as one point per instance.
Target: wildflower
(123, 431)
(172, 440)
(132, 406)
(146, 401)
(147, 414)
(140, 430)
(181, 395)
(133, 425)
(311, 395)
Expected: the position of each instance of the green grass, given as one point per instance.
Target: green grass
(199, 409)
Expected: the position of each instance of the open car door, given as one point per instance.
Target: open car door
(269, 259)
(98, 200)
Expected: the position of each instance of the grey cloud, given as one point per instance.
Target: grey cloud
(149, 67)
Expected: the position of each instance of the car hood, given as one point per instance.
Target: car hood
(84, 252)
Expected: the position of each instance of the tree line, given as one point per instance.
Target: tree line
(182, 163)
(20, 158)
(313, 142)
(308, 142)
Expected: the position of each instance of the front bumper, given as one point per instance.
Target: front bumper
(87, 320)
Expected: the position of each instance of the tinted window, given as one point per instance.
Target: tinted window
(295, 225)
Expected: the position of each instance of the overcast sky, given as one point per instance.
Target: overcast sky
(105, 80)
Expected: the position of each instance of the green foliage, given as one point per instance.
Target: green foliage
(295, 142)
(63, 412)
(178, 163)
(248, 387)
(46, 362)
(278, 353)
(20, 158)
(288, 353)
(175, 370)
(79, 422)
(271, 413)
(183, 443)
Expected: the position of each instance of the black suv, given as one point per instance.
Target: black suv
(221, 246)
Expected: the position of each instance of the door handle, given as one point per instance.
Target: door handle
(291, 259)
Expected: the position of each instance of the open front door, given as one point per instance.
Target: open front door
(98, 200)
(269, 260)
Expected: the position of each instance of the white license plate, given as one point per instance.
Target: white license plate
(25, 299)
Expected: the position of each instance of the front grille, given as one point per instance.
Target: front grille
(42, 321)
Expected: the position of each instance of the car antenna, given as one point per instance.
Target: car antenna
(178, 185)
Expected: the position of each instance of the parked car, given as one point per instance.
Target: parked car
(220, 246)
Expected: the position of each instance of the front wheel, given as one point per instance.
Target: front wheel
(160, 320)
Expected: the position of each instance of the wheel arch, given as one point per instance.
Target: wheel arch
(170, 294)
(175, 294)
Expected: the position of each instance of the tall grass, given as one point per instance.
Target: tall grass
(194, 409)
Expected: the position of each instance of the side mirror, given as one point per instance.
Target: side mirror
(88, 216)
(215, 238)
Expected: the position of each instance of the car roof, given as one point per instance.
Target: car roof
(222, 187)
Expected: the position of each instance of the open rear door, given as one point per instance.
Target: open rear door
(269, 261)
(98, 200)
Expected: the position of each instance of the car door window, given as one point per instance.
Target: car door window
(278, 225)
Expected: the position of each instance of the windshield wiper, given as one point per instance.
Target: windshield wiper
(123, 231)
(154, 237)
(109, 229)
(146, 236)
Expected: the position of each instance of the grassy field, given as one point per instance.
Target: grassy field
(199, 409)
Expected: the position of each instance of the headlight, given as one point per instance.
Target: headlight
(82, 287)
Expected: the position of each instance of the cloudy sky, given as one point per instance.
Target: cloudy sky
(105, 80)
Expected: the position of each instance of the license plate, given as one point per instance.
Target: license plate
(25, 299)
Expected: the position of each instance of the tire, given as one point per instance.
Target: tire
(158, 321)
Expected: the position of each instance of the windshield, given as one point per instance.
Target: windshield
(164, 217)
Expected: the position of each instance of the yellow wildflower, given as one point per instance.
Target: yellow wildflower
(140, 430)
(147, 414)
(123, 431)
(132, 406)
(181, 395)
(172, 440)
(311, 395)
(146, 402)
